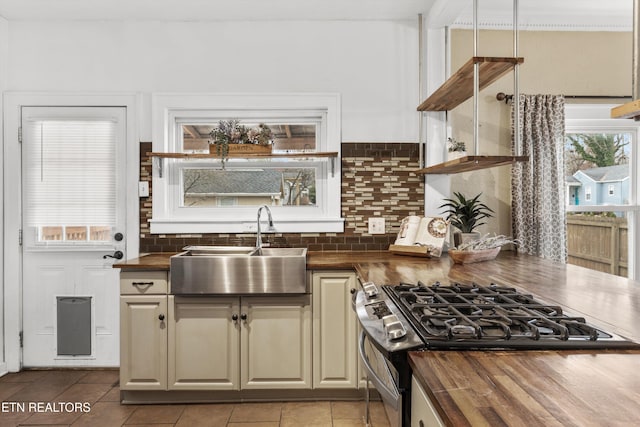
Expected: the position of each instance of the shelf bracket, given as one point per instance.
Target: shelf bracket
(159, 163)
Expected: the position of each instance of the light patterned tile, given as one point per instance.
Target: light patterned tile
(156, 414)
(347, 410)
(256, 412)
(105, 414)
(306, 413)
(213, 415)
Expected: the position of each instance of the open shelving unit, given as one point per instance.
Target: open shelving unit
(470, 163)
(331, 155)
(459, 87)
(630, 110)
(476, 74)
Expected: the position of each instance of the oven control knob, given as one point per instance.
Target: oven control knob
(393, 327)
(370, 289)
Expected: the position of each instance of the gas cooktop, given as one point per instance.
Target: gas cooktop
(474, 316)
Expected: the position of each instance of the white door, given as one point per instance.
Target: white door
(73, 213)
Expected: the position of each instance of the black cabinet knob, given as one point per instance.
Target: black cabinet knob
(243, 316)
(118, 237)
(161, 317)
(234, 317)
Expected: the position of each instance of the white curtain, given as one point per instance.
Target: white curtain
(538, 201)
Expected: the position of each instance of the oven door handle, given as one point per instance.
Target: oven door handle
(392, 397)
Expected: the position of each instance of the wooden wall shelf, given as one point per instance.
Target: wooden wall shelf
(630, 110)
(459, 87)
(470, 163)
(331, 154)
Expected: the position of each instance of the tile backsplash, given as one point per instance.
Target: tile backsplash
(378, 180)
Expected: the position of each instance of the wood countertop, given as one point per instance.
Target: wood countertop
(514, 388)
(152, 261)
(531, 388)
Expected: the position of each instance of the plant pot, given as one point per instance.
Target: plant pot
(240, 149)
(460, 238)
(452, 155)
(468, 257)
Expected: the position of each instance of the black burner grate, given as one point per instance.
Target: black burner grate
(460, 315)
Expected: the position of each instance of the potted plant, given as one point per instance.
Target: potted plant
(230, 133)
(466, 214)
(455, 149)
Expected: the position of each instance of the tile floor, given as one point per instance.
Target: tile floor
(91, 398)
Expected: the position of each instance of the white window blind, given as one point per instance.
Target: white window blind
(69, 172)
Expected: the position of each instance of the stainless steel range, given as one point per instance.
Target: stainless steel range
(397, 319)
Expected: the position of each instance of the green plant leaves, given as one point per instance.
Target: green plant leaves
(464, 213)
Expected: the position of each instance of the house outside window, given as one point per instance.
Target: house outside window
(202, 194)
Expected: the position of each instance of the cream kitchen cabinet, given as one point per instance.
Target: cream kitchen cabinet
(335, 357)
(143, 330)
(238, 343)
(276, 342)
(203, 343)
(423, 414)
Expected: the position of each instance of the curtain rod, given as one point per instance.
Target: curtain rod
(501, 96)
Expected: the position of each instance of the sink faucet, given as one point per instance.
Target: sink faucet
(259, 235)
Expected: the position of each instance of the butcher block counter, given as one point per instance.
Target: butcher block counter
(515, 388)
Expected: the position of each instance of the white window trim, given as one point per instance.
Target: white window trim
(596, 118)
(169, 109)
(587, 194)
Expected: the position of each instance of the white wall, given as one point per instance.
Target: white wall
(372, 64)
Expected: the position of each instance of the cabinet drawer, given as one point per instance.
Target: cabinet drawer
(143, 282)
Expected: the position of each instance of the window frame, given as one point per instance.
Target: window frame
(579, 120)
(170, 111)
(595, 118)
(587, 195)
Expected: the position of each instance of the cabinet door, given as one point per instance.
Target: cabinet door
(143, 342)
(276, 342)
(334, 330)
(203, 343)
(422, 411)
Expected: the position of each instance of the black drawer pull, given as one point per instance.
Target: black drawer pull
(142, 283)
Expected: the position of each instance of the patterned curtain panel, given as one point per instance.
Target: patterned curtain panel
(537, 186)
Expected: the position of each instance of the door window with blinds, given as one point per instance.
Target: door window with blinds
(69, 173)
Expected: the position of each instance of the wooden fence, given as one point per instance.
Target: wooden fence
(598, 243)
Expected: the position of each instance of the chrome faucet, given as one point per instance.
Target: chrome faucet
(259, 235)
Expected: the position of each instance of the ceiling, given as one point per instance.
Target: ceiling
(569, 13)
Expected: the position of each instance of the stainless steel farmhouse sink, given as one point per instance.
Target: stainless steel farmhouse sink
(212, 270)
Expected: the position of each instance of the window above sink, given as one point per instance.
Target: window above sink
(194, 192)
